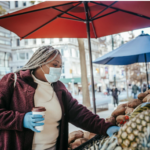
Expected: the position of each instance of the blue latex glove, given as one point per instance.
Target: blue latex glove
(111, 130)
(29, 121)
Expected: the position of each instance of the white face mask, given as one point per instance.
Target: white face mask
(54, 74)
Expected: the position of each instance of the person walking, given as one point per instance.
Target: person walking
(144, 88)
(134, 90)
(37, 84)
(108, 90)
(115, 95)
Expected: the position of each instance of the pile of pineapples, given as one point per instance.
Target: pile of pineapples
(134, 134)
(134, 120)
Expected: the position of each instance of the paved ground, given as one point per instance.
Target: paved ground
(100, 99)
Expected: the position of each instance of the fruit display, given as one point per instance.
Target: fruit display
(128, 135)
(133, 118)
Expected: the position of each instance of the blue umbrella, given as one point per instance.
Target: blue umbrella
(135, 51)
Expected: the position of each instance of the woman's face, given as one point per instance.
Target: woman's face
(56, 63)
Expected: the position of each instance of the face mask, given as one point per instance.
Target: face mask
(54, 74)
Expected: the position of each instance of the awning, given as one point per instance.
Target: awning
(67, 80)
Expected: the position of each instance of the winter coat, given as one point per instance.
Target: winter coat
(135, 89)
(15, 102)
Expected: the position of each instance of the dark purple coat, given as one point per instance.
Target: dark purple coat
(15, 102)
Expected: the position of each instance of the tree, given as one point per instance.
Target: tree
(2, 10)
(85, 90)
(33, 2)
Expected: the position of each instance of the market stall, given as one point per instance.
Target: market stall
(133, 118)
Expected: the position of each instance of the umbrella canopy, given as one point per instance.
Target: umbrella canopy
(132, 52)
(77, 19)
(53, 19)
(135, 51)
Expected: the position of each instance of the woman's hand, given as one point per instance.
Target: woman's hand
(30, 120)
(111, 130)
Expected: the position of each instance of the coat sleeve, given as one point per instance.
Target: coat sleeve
(9, 119)
(81, 117)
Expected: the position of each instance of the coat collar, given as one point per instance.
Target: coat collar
(26, 75)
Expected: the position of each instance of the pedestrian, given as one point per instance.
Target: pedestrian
(134, 90)
(144, 88)
(139, 88)
(78, 91)
(37, 84)
(108, 90)
(115, 95)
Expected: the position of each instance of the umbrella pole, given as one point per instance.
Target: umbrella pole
(90, 54)
(146, 70)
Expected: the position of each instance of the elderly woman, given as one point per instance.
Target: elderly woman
(37, 85)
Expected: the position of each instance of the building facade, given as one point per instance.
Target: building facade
(5, 45)
(22, 51)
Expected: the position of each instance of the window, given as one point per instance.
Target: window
(66, 52)
(27, 56)
(4, 42)
(24, 3)
(4, 60)
(43, 41)
(4, 34)
(71, 52)
(16, 3)
(62, 52)
(34, 41)
(7, 42)
(77, 53)
(2, 57)
(22, 56)
(18, 42)
(9, 3)
(25, 42)
(63, 68)
(60, 40)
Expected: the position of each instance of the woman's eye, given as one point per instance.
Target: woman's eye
(55, 65)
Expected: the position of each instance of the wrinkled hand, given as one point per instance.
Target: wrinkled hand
(111, 130)
(30, 120)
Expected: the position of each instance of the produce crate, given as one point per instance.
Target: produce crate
(90, 143)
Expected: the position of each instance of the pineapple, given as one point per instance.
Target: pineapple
(128, 135)
(142, 107)
(144, 143)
